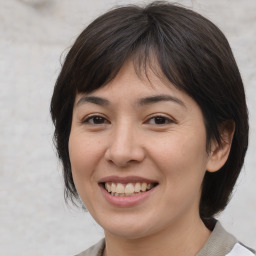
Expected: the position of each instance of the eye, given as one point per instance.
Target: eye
(96, 120)
(159, 120)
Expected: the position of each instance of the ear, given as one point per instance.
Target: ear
(219, 152)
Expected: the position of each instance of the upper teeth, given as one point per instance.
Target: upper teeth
(129, 188)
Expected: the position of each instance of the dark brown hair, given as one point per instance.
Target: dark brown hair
(192, 53)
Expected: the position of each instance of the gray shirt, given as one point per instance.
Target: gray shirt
(220, 243)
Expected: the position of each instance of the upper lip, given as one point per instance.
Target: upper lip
(127, 179)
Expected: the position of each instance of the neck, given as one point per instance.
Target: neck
(181, 239)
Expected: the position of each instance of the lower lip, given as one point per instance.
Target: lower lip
(128, 201)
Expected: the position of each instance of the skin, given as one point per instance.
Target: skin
(164, 141)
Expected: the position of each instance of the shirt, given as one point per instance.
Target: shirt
(220, 243)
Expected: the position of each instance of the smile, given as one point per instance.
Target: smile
(129, 189)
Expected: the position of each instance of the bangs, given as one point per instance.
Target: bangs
(102, 53)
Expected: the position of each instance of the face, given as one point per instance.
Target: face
(138, 155)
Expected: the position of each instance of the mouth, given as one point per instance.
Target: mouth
(127, 189)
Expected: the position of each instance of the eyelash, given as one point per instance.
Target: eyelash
(94, 117)
(160, 118)
(103, 120)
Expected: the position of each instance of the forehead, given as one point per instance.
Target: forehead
(135, 87)
(133, 82)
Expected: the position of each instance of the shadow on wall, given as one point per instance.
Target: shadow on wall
(36, 3)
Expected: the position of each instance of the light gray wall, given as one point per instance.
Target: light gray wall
(34, 219)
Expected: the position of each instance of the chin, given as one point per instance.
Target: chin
(128, 233)
(128, 228)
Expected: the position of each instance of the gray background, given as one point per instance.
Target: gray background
(34, 219)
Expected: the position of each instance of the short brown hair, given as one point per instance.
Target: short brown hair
(192, 53)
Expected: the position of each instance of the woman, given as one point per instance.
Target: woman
(151, 126)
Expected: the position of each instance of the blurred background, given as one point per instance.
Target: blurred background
(34, 219)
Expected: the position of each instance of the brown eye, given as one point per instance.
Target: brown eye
(94, 120)
(160, 120)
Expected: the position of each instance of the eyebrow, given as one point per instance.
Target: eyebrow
(159, 98)
(141, 102)
(93, 99)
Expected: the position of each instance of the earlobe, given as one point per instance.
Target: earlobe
(220, 151)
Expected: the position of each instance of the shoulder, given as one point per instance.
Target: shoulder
(95, 250)
(223, 243)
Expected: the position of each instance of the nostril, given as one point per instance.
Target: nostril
(124, 151)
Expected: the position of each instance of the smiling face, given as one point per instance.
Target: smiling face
(138, 155)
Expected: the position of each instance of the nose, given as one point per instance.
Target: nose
(124, 147)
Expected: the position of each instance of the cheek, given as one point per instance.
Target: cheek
(84, 154)
(182, 159)
(84, 157)
(76, 153)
